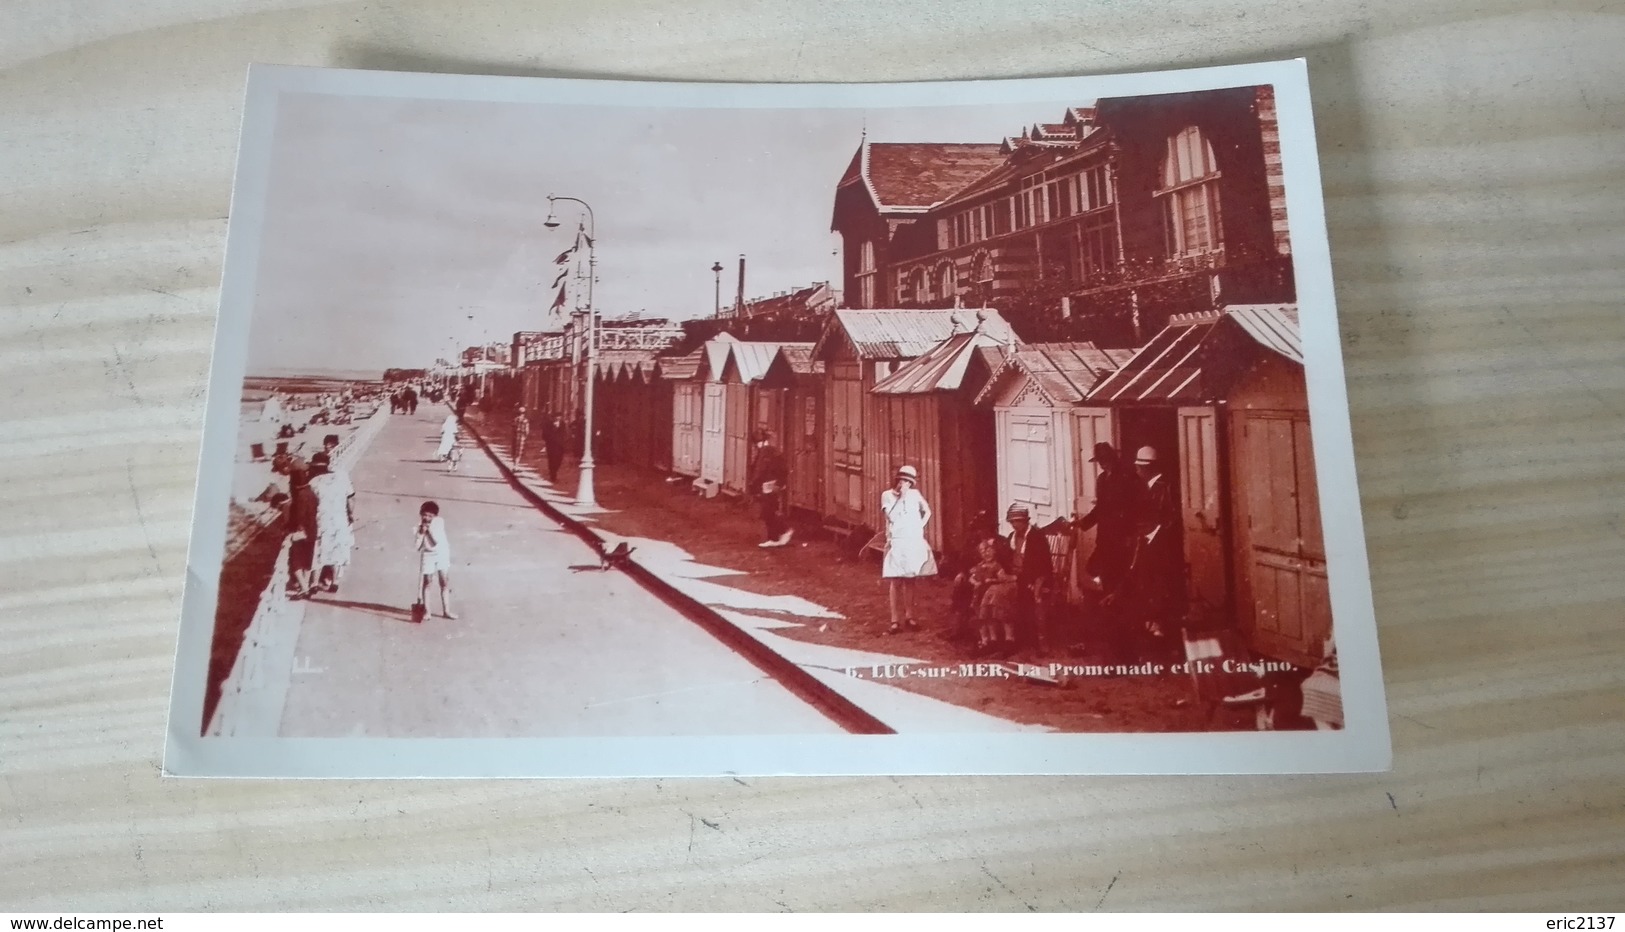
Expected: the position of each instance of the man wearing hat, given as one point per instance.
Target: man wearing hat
(1112, 519)
(1159, 569)
(1030, 560)
(768, 475)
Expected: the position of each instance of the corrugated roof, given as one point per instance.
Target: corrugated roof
(679, 367)
(916, 175)
(1274, 326)
(940, 369)
(1168, 370)
(717, 349)
(906, 333)
(799, 357)
(750, 360)
(1063, 372)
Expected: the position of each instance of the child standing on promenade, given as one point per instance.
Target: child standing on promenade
(434, 550)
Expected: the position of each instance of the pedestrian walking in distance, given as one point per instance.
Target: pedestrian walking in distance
(768, 475)
(521, 433)
(448, 437)
(553, 434)
(434, 557)
(908, 555)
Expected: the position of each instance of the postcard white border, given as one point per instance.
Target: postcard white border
(1363, 745)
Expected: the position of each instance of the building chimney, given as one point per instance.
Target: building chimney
(739, 298)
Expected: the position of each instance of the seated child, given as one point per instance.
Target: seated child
(993, 596)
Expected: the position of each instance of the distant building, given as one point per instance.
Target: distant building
(809, 303)
(1101, 226)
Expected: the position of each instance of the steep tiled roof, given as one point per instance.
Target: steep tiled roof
(905, 333)
(916, 175)
(1063, 372)
(940, 369)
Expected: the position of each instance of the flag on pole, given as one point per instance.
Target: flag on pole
(558, 301)
(560, 280)
(564, 256)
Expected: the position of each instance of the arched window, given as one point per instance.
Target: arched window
(1190, 194)
(922, 286)
(981, 277)
(947, 280)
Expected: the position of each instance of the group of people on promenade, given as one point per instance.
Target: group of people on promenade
(321, 520)
(1008, 594)
(1008, 597)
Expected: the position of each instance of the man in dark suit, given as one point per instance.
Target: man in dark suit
(768, 476)
(1158, 575)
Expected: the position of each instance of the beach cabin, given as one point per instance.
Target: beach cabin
(925, 414)
(681, 375)
(714, 409)
(1044, 435)
(752, 405)
(800, 379)
(1224, 395)
(859, 350)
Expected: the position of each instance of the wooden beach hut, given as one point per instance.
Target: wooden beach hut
(1044, 434)
(681, 375)
(714, 409)
(801, 433)
(925, 414)
(859, 349)
(1225, 393)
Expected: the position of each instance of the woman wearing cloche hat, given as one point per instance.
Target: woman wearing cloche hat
(908, 555)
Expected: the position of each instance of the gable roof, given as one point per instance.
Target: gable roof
(906, 333)
(940, 369)
(715, 355)
(1064, 373)
(751, 360)
(1170, 369)
(913, 176)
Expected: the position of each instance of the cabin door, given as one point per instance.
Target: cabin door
(1285, 549)
(713, 436)
(1030, 454)
(846, 449)
(1203, 507)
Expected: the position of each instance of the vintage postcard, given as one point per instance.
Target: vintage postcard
(582, 428)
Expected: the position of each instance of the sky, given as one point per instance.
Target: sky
(399, 230)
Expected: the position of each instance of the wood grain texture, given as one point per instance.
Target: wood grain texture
(1474, 160)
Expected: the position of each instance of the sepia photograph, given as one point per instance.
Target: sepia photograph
(593, 428)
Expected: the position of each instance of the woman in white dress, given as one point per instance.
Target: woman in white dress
(448, 437)
(908, 555)
(334, 537)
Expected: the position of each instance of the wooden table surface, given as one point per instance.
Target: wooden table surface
(1474, 159)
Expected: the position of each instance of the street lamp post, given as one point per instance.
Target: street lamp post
(584, 487)
(717, 270)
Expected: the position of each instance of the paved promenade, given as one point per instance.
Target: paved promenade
(540, 648)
